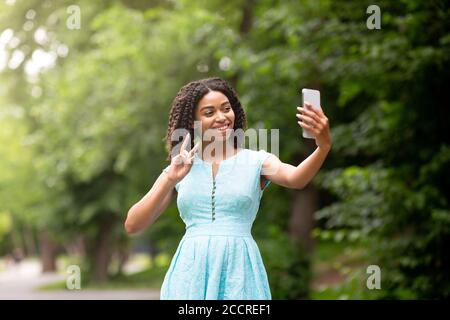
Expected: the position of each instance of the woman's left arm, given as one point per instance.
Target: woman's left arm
(289, 176)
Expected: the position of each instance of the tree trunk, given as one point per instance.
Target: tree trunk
(31, 241)
(123, 254)
(152, 251)
(304, 204)
(76, 247)
(244, 28)
(48, 252)
(101, 249)
(302, 219)
(247, 17)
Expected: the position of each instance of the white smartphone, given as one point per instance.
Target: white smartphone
(313, 97)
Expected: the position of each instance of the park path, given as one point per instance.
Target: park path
(19, 282)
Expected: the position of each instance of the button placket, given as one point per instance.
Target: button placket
(213, 201)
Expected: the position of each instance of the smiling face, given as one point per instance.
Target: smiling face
(216, 115)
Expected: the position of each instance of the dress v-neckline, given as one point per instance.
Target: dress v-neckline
(214, 176)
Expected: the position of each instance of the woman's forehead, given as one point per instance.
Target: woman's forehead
(213, 98)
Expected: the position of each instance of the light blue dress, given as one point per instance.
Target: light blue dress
(217, 258)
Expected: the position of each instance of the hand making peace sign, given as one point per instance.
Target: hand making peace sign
(181, 164)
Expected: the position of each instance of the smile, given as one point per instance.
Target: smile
(223, 128)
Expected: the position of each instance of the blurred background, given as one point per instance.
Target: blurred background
(85, 92)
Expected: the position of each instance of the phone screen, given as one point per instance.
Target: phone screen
(313, 97)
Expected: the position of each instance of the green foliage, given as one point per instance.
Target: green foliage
(287, 265)
(392, 187)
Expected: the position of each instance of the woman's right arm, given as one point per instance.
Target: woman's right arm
(142, 214)
(147, 210)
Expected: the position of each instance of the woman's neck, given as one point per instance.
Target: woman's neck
(217, 151)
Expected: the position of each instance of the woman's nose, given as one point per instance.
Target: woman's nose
(220, 116)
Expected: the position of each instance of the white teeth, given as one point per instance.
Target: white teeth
(222, 128)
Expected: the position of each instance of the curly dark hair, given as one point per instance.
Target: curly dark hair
(182, 112)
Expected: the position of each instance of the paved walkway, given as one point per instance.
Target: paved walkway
(19, 282)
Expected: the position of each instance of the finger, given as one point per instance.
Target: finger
(190, 159)
(305, 126)
(187, 161)
(178, 159)
(319, 113)
(194, 149)
(308, 106)
(322, 120)
(185, 142)
(322, 116)
(325, 122)
(308, 120)
(311, 113)
(308, 127)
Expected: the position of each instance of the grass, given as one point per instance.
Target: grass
(150, 278)
(143, 274)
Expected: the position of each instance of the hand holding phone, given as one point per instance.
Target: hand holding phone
(312, 97)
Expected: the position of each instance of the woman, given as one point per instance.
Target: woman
(218, 193)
